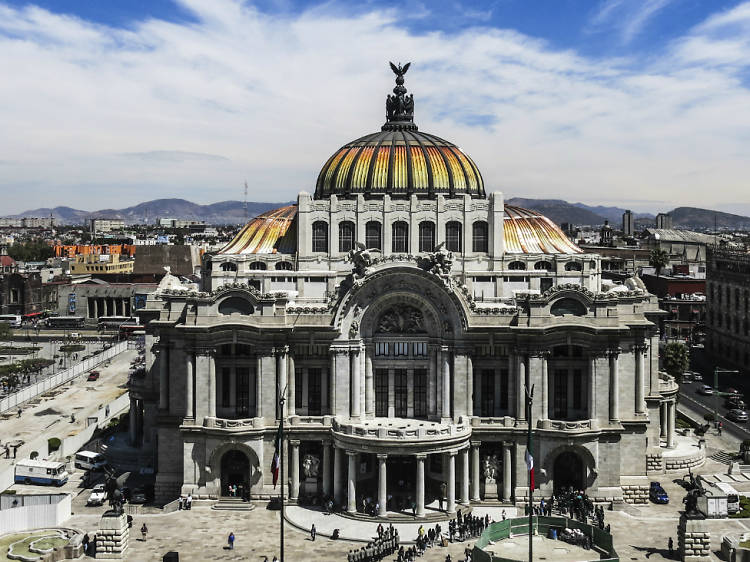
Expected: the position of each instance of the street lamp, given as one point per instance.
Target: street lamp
(718, 370)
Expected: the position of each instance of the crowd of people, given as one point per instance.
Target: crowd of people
(464, 527)
(385, 545)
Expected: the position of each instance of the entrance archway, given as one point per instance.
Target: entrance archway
(568, 472)
(235, 471)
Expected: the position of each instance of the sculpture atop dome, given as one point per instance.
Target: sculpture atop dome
(399, 108)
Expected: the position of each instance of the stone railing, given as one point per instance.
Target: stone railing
(408, 431)
(243, 424)
(564, 425)
(311, 420)
(504, 421)
(667, 384)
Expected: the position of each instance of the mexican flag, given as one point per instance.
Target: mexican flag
(530, 462)
(276, 461)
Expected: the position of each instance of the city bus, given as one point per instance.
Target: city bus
(111, 323)
(65, 322)
(30, 471)
(13, 320)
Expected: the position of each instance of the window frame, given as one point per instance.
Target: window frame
(454, 236)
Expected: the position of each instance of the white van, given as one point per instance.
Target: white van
(41, 472)
(90, 461)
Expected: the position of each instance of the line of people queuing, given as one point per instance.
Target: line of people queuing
(467, 526)
(386, 544)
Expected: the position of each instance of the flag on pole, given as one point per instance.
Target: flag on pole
(530, 462)
(276, 461)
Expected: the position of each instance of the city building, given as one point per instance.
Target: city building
(182, 223)
(106, 225)
(27, 222)
(728, 315)
(404, 313)
(100, 264)
(628, 223)
(94, 298)
(684, 246)
(664, 221)
(21, 293)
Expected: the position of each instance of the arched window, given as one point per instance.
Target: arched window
(480, 237)
(374, 235)
(258, 266)
(453, 236)
(426, 236)
(592, 265)
(320, 236)
(568, 306)
(543, 265)
(236, 305)
(284, 266)
(573, 266)
(229, 266)
(516, 266)
(400, 237)
(346, 236)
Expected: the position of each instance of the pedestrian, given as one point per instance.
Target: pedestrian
(721, 426)
(19, 412)
(503, 515)
(230, 541)
(144, 532)
(313, 532)
(189, 501)
(85, 543)
(670, 545)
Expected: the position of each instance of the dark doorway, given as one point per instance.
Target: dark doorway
(235, 471)
(568, 472)
(402, 482)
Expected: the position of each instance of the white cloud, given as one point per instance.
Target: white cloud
(629, 17)
(242, 94)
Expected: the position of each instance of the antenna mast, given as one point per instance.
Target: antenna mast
(246, 201)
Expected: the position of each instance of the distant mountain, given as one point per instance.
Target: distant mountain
(224, 212)
(559, 211)
(613, 214)
(692, 217)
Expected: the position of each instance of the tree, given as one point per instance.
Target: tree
(675, 359)
(658, 259)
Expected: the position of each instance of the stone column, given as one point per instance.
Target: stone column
(545, 386)
(259, 387)
(355, 390)
(521, 389)
(640, 351)
(189, 384)
(351, 495)
(382, 491)
(294, 469)
(132, 422)
(163, 377)
(338, 475)
(291, 382)
(614, 391)
(469, 386)
(465, 476)
(670, 423)
(332, 384)
(211, 384)
(507, 472)
(475, 497)
(590, 387)
(663, 408)
(326, 468)
(451, 507)
(446, 368)
(420, 484)
(369, 385)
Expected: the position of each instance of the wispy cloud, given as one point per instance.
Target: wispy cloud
(627, 17)
(237, 94)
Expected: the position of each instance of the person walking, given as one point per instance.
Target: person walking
(144, 532)
(313, 532)
(230, 541)
(670, 545)
(189, 501)
(85, 543)
(19, 412)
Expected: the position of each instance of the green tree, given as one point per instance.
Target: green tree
(675, 359)
(32, 250)
(6, 334)
(658, 259)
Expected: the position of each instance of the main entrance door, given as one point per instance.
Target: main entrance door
(235, 471)
(568, 472)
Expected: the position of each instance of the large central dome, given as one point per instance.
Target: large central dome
(399, 160)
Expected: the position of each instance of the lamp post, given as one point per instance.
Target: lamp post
(718, 370)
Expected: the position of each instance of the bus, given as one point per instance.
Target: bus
(90, 461)
(30, 471)
(65, 322)
(13, 320)
(111, 323)
(129, 330)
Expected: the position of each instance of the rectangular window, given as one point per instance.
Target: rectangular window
(561, 395)
(453, 236)
(400, 348)
(420, 393)
(243, 392)
(314, 393)
(426, 237)
(382, 348)
(373, 238)
(226, 386)
(420, 349)
(400, 396)
(488, 392)
(298, 385)
(400, 237)
(577, 389)
(381, 393)
(504, 389)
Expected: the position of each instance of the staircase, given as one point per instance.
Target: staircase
(723, 457)
(233, 504)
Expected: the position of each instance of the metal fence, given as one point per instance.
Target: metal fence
(32, 391)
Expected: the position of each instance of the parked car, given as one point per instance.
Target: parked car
(98, 495)
(93, 376)
(739, 416)
(705, 390)
(657, 494)
(687, 377)
(734, 402)
(697, 377)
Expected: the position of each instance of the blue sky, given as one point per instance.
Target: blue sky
(630, 102)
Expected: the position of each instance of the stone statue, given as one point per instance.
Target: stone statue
(311, 466)
(402, 320)
(491, 468)
(113, 487)
(399, 107)
(361, 259)
(691, 504)
(438, 262)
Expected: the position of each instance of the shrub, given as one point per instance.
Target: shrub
(71, 347)
(709, 417)
(53, 443)
(34, 455)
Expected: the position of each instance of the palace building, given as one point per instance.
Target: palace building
(403, 312)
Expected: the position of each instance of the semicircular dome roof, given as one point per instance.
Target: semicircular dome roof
(399, 160)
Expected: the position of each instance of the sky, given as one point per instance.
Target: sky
(643, 104)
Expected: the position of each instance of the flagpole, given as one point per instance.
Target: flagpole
(529, 400)
(281, 469)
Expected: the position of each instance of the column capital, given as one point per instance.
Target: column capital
(204, 351)
(352, 453)
(338, 350)
(476, 444)
(382, 456)
(281, 350)
(613, 352)
(539, 354)
(445, 348)
(640, 347)
(294, 442)
(452, 452)
(420, 456)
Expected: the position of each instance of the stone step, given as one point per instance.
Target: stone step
(233, 504)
